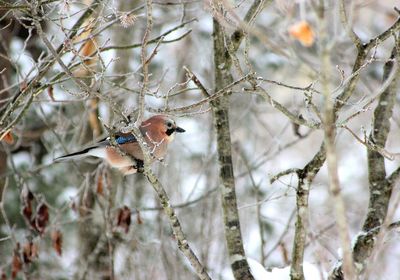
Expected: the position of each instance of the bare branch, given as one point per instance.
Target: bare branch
(380, 187)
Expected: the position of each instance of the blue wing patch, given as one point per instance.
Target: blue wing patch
(125, 139)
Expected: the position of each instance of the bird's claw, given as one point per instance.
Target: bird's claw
(139, 166)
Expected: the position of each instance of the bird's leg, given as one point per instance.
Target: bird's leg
(139, 166)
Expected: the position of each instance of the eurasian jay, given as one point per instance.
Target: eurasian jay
(158, 131)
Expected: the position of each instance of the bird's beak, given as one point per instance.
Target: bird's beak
(179, 129)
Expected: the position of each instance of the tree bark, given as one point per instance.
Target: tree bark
(380, 186)
(233, 236)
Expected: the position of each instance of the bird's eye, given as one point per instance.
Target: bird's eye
(169, 124)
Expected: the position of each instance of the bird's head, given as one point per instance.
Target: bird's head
(161, 125)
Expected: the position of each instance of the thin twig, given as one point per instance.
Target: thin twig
(145, 61)
(220, 93)
(331, 156)
(154, 40)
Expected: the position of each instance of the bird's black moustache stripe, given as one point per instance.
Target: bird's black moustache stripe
(170, 131)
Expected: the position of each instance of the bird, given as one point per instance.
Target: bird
(158, 131)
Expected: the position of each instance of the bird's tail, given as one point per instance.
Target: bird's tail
(76, 155)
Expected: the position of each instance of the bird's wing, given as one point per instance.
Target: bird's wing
(121, 139)
(125, 138)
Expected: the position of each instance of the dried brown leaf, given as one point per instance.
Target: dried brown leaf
(139, 220)
(27, 208)
(124, 218)
(42, 217)
(57, 239)
(50, 92)
(73, 206)
(16, 264)
(27, 212)
(29, 252)
(99, 188)
(23, 85)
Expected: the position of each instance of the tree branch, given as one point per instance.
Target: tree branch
(330, 117)
(380, 187)
(223, 77)
(32, 85)
(183, 244)
(306, 176)
(154, 40)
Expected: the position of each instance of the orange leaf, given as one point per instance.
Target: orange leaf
(302, 32)
(94, 122)
(87, 54)
(87, 51)
(7, 137)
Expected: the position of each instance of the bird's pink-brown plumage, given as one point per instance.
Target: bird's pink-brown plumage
(157, 131)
